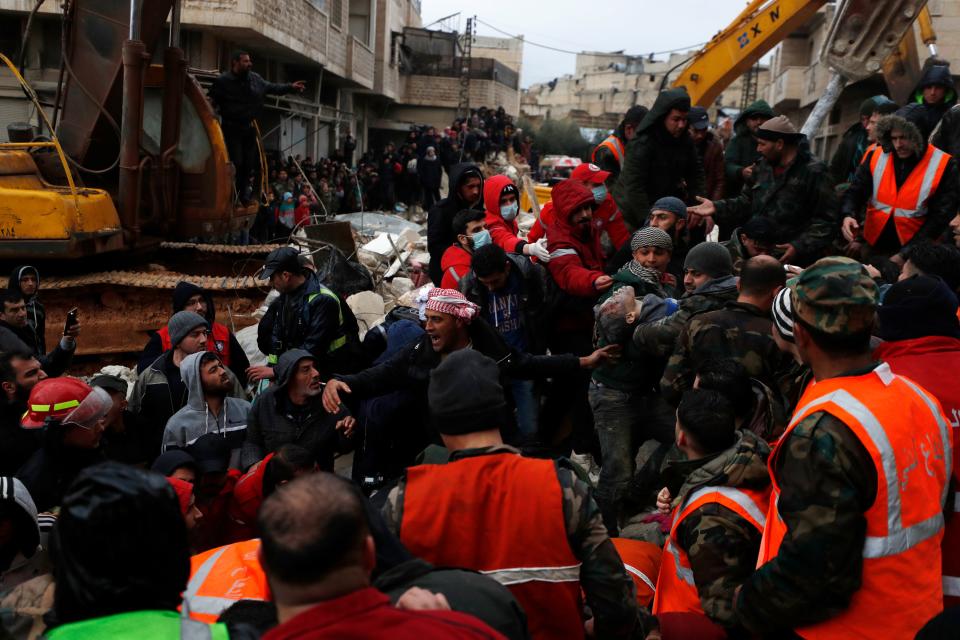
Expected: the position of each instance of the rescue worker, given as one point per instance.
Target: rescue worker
(529, 516)
(740, 156)
(791, 187)
(608, 155)
(107, 587)
(606, 215)
(472, 234)
(501, 200)
(660, 161)
(69, 412)
(739, 331)
(935, 94)
(238, 95)
(918, 322)
(329, 595)
(309, 316)
(851, 545)
(190, 297)
(642, 561)
(709, 284)
(904, 192)
(222, 576)
(465, 192)
(718, 512)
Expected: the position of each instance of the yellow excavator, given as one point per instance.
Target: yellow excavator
(866, 36)
(120, 193)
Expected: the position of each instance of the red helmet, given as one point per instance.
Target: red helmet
(68, 400)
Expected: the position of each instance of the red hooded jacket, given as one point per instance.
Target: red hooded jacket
(245, 502)
(574, 263)
(607, 217)
(455, 263)
(504, 233)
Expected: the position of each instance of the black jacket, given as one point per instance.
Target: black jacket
(656, 164)
(430, 172)
(36, 314)
(846, 159)
(51, 470)
(181, 294)
(18, 443)
(13, 338)
(930, 114)
(240, 99)
(440, 218)
(536, 300)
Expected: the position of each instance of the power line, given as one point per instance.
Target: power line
(544, 46)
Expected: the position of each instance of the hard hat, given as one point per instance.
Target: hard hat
(67, 400)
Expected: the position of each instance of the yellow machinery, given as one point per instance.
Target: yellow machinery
(44, 218)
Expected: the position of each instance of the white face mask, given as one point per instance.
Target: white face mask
(509, 211)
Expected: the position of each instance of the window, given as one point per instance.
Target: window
(319, 4)
(336, 13)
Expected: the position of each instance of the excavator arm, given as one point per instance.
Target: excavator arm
(758, 28)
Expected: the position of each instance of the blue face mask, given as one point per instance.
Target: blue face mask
(509, 211)
(480, 239)
(599, 193)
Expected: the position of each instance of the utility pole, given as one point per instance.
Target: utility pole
(463, 106)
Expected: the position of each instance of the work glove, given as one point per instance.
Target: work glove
(538, 250)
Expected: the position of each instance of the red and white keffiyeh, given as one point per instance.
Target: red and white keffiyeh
(452, 302)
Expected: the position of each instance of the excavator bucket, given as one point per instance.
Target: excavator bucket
(864, 33)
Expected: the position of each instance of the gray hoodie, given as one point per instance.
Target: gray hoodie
(195, 419)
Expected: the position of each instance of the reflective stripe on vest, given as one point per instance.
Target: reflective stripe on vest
(640, 574)
(906, 203)
(906, 435)
(613, 143)
(519, 575)
(559, 253)
(453, 274)
(238, 578)
(676, 589)
(342, 340)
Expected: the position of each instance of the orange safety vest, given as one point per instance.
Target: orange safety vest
(218, 341)
(908, 439)
(642, 562)
(908, 204)
(676, 588)
(502, 515)
(222, 576)
(868, 151)
(613, 143)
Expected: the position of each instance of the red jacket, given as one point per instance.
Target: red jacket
(368, 614)
(218, 341)
(607, 218)
(933, 362)
(455, 264)
(503, 233)
(574, 263)
(245, 502)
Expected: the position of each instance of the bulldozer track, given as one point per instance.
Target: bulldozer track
(222, 249)
(151, 280)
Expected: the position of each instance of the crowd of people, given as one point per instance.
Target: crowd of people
(609, 427)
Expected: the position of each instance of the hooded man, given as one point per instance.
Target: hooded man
(491, 510)
(501, 200)
(160, 390)
(472, 234)
(430, 173)
(709, 284)
(466, 192)
(791, 187)
(291, 412)
(608, 155)
(740, 156)
(846, 159)
(606, 215)
(26, 280)
(660, 161)
(221, 341)
(918, 321)
(718, 514)
(69, 412)
(209, 408)
(905, 192)
(935, 94)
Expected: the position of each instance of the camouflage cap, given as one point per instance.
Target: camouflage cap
(836, 296)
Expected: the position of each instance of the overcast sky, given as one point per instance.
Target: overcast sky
(636, 26)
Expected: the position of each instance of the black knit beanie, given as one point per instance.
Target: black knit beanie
(465, 395)
(711, 258)
(918, 307)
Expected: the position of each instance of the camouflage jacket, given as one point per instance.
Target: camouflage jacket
(801, 201)
(658, 337)
(610, 592)
(722, 546)
(827, 482)
(738, 253)
(738, 331)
